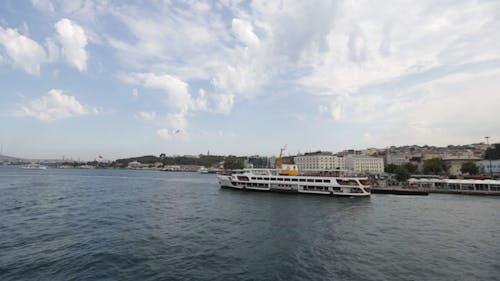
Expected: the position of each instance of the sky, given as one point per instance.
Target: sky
(125, 78)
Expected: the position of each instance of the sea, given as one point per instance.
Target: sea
(103, 224)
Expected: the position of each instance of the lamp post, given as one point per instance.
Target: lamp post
(489, 157)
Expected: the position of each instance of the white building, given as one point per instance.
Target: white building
(319, 161)
(364, 164)
(484, 165)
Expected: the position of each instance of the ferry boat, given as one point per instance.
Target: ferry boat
(287, 178)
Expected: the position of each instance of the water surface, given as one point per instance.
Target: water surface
(150, 225)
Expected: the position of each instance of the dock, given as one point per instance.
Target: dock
(399, 191)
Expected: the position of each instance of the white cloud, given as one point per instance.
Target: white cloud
(200, 103)
(163, 133)
(177, 122)
(223, 102)
(147, 116)
(179, 99)
(55, 105)
(52, 49)
(73, 40)
(339, 49)
(244, 32)
(365, 48)
(22, 52)
(135, 92)
(177, 90)
(454, 109)
(44, 5)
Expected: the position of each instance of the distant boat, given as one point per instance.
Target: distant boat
(203, 170)
(34, 166)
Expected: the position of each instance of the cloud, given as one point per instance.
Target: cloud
(73, 40)
(163, 133)
(23, 52)
(52, 50)
(223, 102)
(54, 106)
(365, 48)
(243, 30)
(178, 122)
(362, 67)
(135, 92)
(177, 90)
(322, 108)
(453, 109)
(44, 5)
(147, 116)
(179, 99)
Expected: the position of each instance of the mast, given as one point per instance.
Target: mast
(279, 161)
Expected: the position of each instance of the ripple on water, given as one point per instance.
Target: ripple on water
(144, 225)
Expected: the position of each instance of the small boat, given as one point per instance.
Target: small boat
(34, 166)
(203, 170)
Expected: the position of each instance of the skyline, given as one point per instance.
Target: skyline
(114, 78)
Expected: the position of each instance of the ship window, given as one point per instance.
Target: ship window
(294, 179)
(259, 178)
(287, 179)
(318, 180)
(273, 179)
(327, 180)
(253, 178)
(302, 179)
(310, 180)
(266, 179)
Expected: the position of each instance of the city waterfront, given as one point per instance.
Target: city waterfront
(104, 224)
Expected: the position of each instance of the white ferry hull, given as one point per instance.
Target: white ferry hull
(230, 182)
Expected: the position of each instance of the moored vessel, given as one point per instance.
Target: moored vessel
(287, 178)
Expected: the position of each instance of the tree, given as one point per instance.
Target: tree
(469, 168)
(435, 166)
(391, 168)
(411, 168)
(402, 173)
(233, 163)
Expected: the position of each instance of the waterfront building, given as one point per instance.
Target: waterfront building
(484, 165)
(468, 186)
(365, 164)
(454, 163)
(319, 161)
